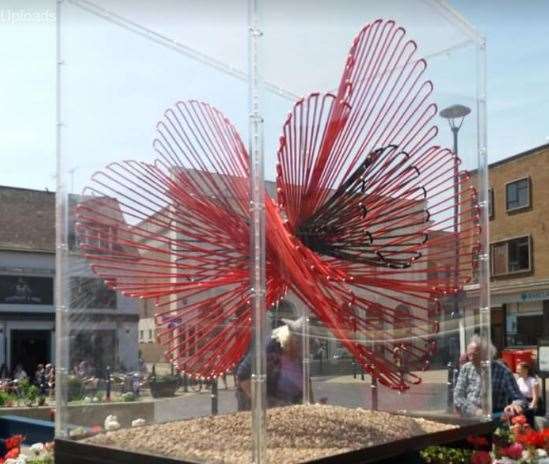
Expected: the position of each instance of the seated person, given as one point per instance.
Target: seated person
(529, 387)
(20, 373)
(506, 396)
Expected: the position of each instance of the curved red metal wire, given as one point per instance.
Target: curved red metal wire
(365, 204)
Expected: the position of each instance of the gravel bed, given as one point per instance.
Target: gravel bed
(295, 434)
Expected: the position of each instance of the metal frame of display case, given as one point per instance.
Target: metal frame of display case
(74, 452)
(69, 451)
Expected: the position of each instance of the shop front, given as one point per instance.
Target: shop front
(519, 318)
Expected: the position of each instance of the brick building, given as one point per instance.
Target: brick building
(100, 320)
(27, 269)
(519, 247)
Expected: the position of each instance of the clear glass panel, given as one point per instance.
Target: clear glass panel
(375, 224)
(364, 248)
(153, 283)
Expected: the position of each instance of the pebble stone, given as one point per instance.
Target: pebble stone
(295, 434)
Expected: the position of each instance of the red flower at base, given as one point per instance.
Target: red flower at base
(513, 451)
(13, 453)
(477, 441)
(481, 457)
(531, 438)
(96, 429)
(12, 447)
(13, 441)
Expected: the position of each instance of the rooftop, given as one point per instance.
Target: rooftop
(531, 151)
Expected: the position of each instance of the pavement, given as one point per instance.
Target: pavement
(428, 397)
(431, 376)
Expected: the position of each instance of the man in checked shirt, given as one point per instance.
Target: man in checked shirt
(506, 396)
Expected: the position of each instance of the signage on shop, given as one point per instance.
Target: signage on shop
(535, 296)
(518, 297)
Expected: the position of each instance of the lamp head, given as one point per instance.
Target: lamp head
(455, 112)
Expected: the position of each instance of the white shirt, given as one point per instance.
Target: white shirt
(526, 386)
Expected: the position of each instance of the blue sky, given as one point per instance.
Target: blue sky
(517, 33)
(518, 87)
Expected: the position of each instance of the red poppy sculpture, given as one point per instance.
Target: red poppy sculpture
(365, 205)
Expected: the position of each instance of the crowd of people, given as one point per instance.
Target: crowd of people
(43, 378)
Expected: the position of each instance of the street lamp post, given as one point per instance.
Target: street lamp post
(455, 115)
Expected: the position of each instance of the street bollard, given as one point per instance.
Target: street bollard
(450, 387)
(399, 361)
(108, 394)
(214, 397)
(373, 391)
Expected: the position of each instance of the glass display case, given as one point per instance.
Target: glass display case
(272, 230)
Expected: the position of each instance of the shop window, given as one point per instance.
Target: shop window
(444, 274)
(518, 194)
(491, 203)
(91, 293)
(511, 256)
(402, 323)
(475, 261)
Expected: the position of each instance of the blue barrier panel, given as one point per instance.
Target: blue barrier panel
(34, 430)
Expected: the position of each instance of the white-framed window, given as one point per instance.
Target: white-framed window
(104, 238)
(511, 256)
(517, 194)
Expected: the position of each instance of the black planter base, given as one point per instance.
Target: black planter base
(401, 451)
(163, 389)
